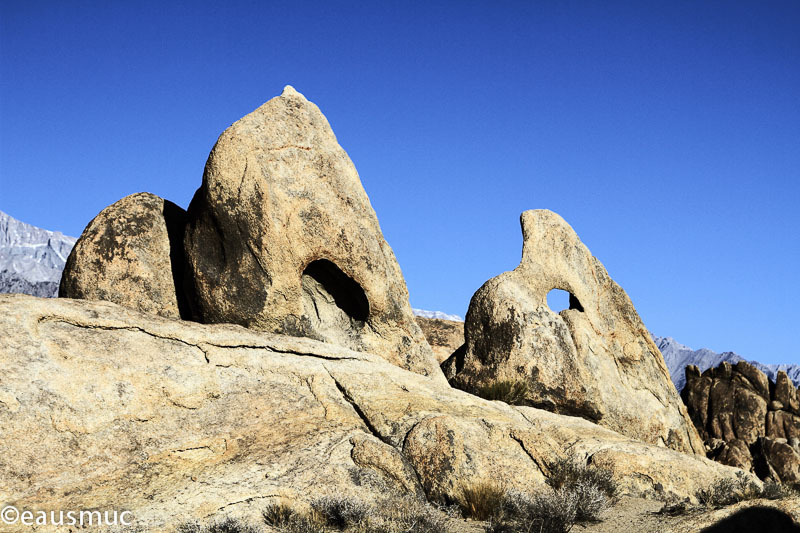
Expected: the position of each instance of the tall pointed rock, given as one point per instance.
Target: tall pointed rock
(282, 238)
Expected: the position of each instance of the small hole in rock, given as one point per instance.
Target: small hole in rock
(558, 300)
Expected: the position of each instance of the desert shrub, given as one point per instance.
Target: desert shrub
(226, 525)
(727, 491)
(775, 490)
(721, 492)
(550, 511)
(342, 511)
(590, 500)
(746, 487)
(482, 500)
(391, 514)
(576, 492)
(283, 518)
(553, 511)
(404, 514)
(277, 514)
(593, 489)
(511, 392)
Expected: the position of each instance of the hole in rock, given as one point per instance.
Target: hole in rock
(325, 286)
(558, 300)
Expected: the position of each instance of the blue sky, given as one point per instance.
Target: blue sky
(666, 133)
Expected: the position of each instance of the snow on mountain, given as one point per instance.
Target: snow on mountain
(677, 356)
(31, 258)
(436, 314)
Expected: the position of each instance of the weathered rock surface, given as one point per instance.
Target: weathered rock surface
(131, 254)
(745, 420)
(444, 336)
(282, 238)
(595, 360)
(104, 407)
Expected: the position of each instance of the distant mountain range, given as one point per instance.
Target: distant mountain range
(31, 258)
(437, 314)
(677, 356)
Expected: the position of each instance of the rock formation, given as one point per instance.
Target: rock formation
(746, 420)
(104, 407)
(131, 254)
(595, 360)
(678, 357)
(444, 336)
(282, 238)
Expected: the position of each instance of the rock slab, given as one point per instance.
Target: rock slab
(282, 238)
(104, 407)
(595, 360)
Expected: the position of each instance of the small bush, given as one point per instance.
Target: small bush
(277, 515)
(774, 490)
(590, 500)
(553, 511)
(403, 514)
(482, 500)
(283, 518)
(594, 489)
(342, 511)
(226, 525)
(727, 491)
(511, 392)
(393, 514)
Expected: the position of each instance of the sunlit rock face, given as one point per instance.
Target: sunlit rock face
(131, 254)
(106, 407)
(595, 360)
(747, 420)
(282, 238)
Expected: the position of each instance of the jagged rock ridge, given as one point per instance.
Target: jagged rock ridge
(31, 258)
(747, 420)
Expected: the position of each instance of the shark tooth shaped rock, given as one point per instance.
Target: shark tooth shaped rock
(131, 254)
(595, 360)
(282, 238)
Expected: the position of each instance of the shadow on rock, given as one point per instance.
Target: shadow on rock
(755, 519)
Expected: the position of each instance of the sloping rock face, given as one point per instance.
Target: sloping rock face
(103, 407)
(746, 420)
(131, 254)
(444, 336)
(282, 238)
(595, 360)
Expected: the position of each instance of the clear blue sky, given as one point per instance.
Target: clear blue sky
(666, 133)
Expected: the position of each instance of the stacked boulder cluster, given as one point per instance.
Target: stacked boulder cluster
(281, 237)
(263, 348)
(746, 420)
